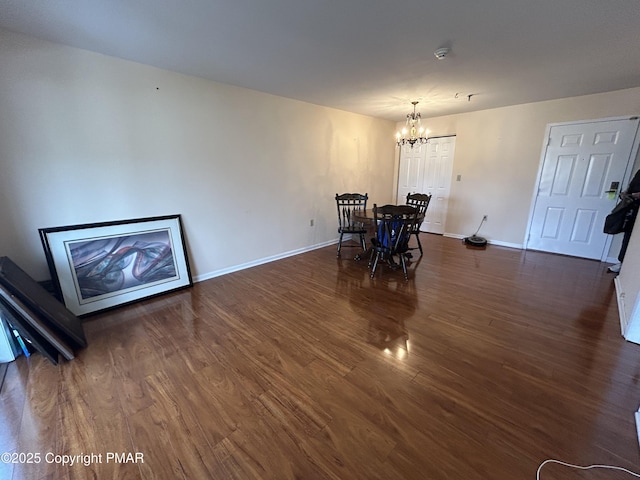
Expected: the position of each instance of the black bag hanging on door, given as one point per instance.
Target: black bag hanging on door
(617, 220)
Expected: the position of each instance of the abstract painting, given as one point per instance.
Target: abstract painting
(102, 265)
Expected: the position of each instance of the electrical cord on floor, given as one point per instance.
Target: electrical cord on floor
(588, 467)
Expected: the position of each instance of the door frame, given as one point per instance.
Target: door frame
(543, 154)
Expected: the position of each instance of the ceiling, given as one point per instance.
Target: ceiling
(366, 56)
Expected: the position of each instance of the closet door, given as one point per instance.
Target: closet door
(438, 169)
(411, 175)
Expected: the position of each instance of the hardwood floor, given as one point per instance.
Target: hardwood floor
(481, 366)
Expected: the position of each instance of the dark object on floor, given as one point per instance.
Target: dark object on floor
(38, 299)
(19, 314)
(475, 241)
(30, 336)
(37, 316)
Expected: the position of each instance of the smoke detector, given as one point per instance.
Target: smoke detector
(441, 53)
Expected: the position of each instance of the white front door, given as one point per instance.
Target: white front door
(582, 173)
(437, 182)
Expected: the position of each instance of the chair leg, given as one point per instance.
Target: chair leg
(404, 266)
(363, 242)
(339, 244)
(375, 264)
(419, 244)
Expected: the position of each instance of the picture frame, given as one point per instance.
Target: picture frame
(18, 314)
(29, 299)
(30, 335)
(99, 266)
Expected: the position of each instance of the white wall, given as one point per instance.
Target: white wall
(88, 138)
(628, 289)
(498, 154)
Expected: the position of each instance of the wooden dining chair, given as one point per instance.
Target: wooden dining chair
(394, 227)
(347, 203)
(421, 202)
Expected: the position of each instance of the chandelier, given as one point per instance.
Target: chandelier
(415, 130)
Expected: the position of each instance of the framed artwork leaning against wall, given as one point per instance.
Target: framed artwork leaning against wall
(103, 265)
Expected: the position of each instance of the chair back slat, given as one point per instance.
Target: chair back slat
(347, 203)
(421, 202)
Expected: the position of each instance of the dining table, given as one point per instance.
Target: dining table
(366, 216)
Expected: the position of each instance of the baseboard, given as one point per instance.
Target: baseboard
(499, 243)
(255, 263)
(624, 321)
(261, 261)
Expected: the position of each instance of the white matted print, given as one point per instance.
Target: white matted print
(100, 266)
